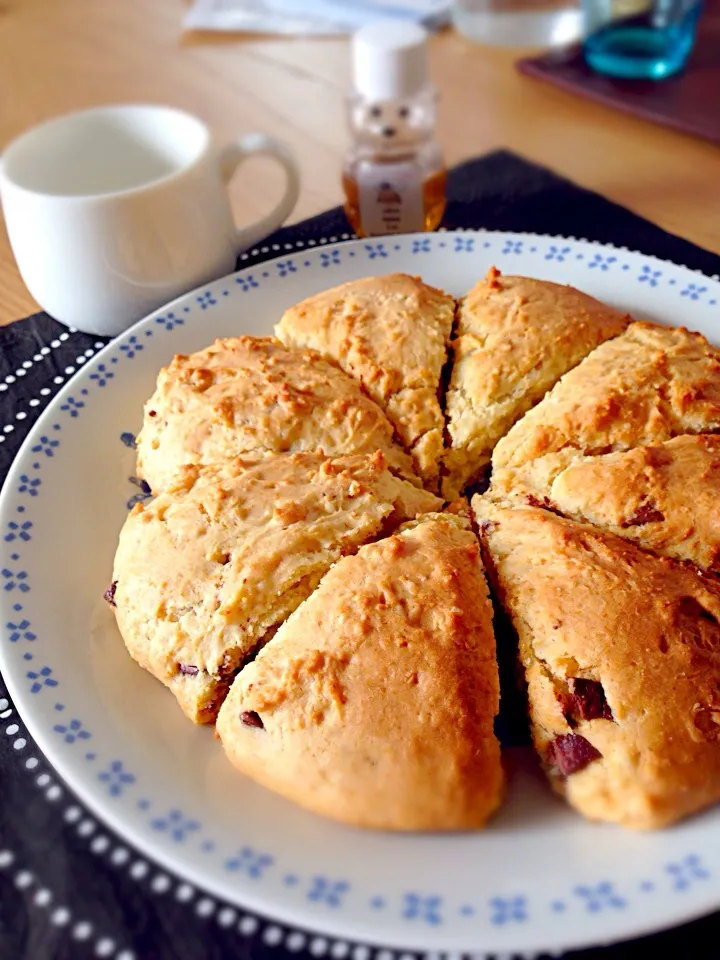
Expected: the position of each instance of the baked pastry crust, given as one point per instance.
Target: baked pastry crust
(591, 608)
(665, 497)
(253, 395)
(377, 696)
(649, 384)
(515, 338)
(392, 333)
(207, 570)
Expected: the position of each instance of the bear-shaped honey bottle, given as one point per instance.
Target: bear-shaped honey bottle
(394, 177)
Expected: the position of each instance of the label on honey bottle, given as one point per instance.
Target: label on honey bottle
(390, 198)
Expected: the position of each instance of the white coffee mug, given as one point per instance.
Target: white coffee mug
(111, 212)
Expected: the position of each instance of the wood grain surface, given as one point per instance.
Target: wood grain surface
(62, 55)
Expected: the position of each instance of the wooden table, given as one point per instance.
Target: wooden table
(60, 55)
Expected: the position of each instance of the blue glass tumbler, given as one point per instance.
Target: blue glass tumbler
(639, 39)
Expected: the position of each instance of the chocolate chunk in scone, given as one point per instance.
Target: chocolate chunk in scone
(392, 333)
(621, 651)
(207, 571)
(374, 702)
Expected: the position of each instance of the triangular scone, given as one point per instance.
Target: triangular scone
(621, 652)
(206, 571)
(515, 338)
(374, 702)
(665, 497)
(649, 384)
(391, 333)
(253, 395)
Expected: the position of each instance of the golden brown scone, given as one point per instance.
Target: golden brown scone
(207, 571)
(647, 385)
(391, 333)
(374, 702)
(665, 497)
(254, 395)
(621, 651)
(515, 338)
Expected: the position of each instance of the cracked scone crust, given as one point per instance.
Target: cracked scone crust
(374, 702)
(647, 385)
(208, 569)
(515, 338)
(622, 657)
(253, 395)
(665, 497)
(392, 333)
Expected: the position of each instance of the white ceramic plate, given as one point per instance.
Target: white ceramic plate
(539, 878)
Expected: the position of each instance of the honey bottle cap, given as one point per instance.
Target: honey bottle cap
(390, 60)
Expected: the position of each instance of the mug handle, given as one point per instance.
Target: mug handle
(252, 144)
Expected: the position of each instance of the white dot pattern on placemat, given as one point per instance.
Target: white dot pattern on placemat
(119, 856)
(205, 907)
(42, 898)
(161, 883)
(85, 828)
(138, 870)
(82, 930)
(248, 926)
(295, 941)
(184, 893)
(59, 916)
(72, 814)
(226, 917)
(100, 844)
(360, 952)
(340, 949)
(272, 936)
(23, 879)
(318, 946)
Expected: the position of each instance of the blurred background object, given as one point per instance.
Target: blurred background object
(640, 39)
(394, 178)
(532, 23)
(309, 17)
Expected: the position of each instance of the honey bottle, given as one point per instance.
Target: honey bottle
(394, 177)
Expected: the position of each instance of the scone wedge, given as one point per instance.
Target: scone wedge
(665, 497)
(392, 333)
(648, 385)
(621, 651)
(253, 395)
(515, 338)
(206, 571)
(374, 702)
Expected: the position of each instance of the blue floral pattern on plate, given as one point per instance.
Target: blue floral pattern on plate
(430, 911)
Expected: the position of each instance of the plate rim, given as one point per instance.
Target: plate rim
(163, 855)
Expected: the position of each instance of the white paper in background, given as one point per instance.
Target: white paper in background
(309, 17)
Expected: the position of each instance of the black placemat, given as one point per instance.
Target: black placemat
(70, 888)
